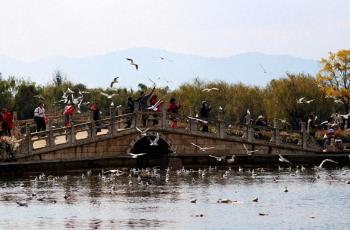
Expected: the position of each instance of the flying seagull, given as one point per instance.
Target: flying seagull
(218, 158)
(210, 89)
(109, 96)
(202, 148)
(115, 81)
(282, 159)
(262, 67)
(327, 160)
(301, 100)
(197, 119)
(136, 155)
(142, 132)
(249, 152)
(155, 141)
(133, 63)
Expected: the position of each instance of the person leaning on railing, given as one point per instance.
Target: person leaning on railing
(96, 116)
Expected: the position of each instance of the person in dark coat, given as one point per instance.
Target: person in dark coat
(204, 113)
(130, 106)
(142, 100)
(96, 116)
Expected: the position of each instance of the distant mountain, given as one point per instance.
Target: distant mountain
(175, 69)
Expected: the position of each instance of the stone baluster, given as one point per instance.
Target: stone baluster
(304, 136)
(276, 138)
(164, 120)
(220, 125)
(112, 116)
(72, 134)
(93, 126)
(250, 133)
(29, 139)
(193, 126)
(50, 138)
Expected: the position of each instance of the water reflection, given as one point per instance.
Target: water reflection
(161, 199)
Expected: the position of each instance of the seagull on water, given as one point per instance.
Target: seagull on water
(115, 81)
(327, 160)
(136, 155)
(143, 132)
(231, 160)
(220, 158)
(249, 152)
(133, 63)
(202, 148)
(282, 159)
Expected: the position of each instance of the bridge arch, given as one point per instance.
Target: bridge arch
(156, 155)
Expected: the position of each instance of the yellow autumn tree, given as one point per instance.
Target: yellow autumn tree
(334, 77)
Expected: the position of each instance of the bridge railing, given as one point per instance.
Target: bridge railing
(111, 126)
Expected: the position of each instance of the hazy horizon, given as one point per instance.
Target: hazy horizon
(32, 30)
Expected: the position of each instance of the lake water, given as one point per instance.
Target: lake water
(316, 199)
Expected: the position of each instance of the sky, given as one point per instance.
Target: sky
(33, 29)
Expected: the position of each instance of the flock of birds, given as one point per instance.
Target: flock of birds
(153, 176)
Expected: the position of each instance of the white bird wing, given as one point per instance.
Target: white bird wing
(245, 147)
(144, 131)
(157, 138)
(282, 159)
(196, 145)
(207, 148)
(217, 89)
(104, 94)
(327, 160)
(138, 129)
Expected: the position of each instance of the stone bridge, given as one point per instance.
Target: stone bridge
(81, 143)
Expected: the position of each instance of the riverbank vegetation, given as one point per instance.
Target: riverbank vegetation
(278, 99)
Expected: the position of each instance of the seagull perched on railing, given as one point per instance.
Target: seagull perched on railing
(249, 152)
(143, 132)
(327, 160)
(197, 119)
(155, 141)
(202, 148)
(133, 63)
(136, 155)
(282, 159)
(220, 158)
(210, 89)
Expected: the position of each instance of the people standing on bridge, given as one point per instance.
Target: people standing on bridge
(174, 110)
(142, 100)
(68, 113)
(7, 122)
(96, 116)
(39, 117)
(130, 106)
(204, 113)
(311, 125)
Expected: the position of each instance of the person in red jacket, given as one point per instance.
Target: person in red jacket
(7, 122)
(68, 113)
(173, 108)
